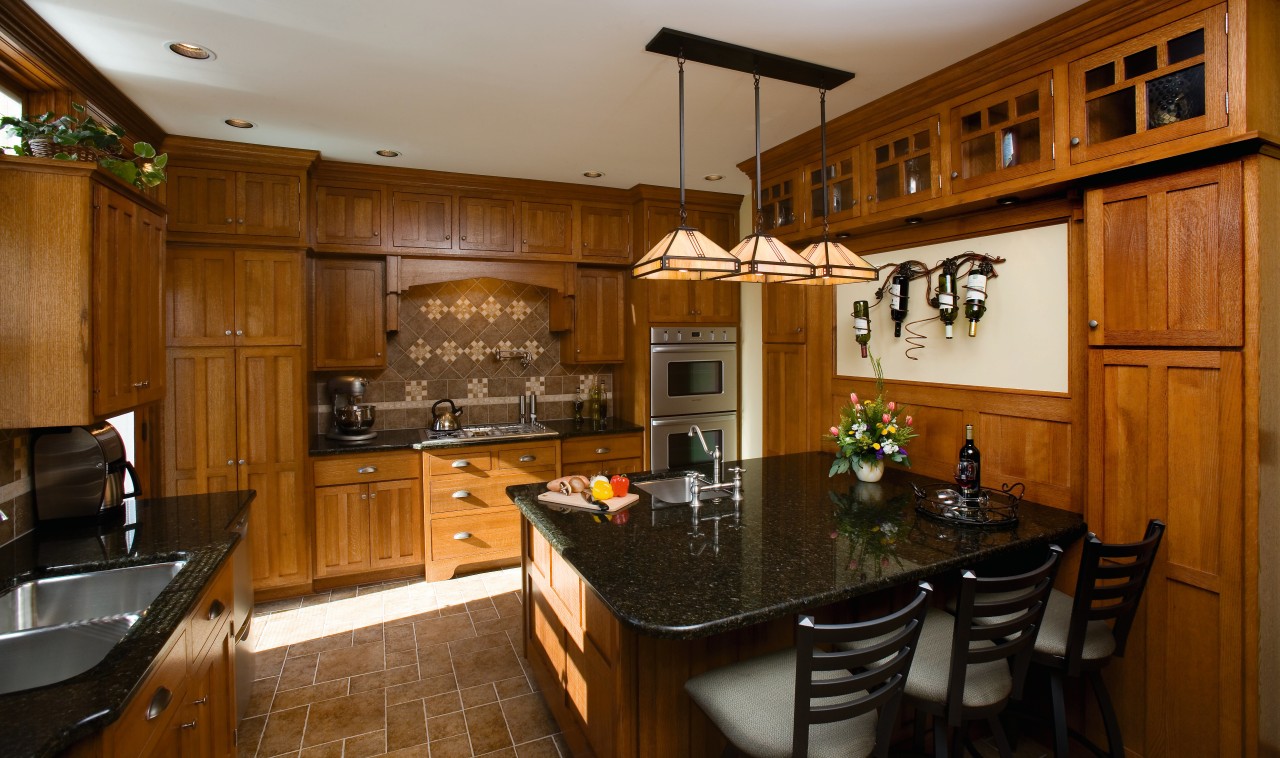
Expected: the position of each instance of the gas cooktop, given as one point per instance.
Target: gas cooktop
(484, 433)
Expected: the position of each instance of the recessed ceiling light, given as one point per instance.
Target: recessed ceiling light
(593, 174)
(239, 123)
(1007, 200)
(387, 153)
(914, 220)
(191, 50)
(713, 177)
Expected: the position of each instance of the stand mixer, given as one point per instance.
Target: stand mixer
(351, 420)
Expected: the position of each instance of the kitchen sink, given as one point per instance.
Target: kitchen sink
(36, 657)
(68, 599)
(676, 490)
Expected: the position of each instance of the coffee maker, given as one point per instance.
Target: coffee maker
(352, 419)
(79, 472)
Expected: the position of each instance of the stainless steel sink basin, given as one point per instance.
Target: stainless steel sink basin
(78, 597)
(675, 490)
(36, 657)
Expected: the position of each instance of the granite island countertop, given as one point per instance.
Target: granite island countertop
(197, 528)
(405, 439)
(797, 540)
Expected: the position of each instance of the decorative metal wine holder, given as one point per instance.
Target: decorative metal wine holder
(992, 509)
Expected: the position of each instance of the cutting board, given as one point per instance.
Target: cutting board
(615, 504)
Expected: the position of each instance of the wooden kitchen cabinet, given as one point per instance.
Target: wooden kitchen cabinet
(844, 188)
(349, 215)
(1005, 135)
(785, 386)
(546, 228)
(421, 220)
(226, 202)
(487, 224)
(606, 233)
(215, 296)
(1162, 85)
(603, 454)
(200, 445)
(369, 512)
(470, 520)
(348, 314)
(1166, 259)
(903, 166)
(598, 312)
(784, 313)
(780, 197)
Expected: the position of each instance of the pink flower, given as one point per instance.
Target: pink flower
(884, 562)
(834, 535)
(853, 398)
(885, 418)
(908, 421)
(853, 564)
(834, 431)
(891, 405)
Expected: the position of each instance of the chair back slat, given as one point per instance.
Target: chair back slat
(879, 670)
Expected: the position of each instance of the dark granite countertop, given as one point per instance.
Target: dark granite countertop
(47, 720)
(799, 540)
(404, 439)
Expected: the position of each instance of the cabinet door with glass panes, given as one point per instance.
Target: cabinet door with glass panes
(1168, 83)
(1005, 135)
(903, 166)
(844, 187)
(780, 203)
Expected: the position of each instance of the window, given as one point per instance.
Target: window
(10, 105)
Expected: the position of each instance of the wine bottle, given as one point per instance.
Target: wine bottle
(861, 325)
(899, 286)
(947, 310)
(975, 299)
(972, 484)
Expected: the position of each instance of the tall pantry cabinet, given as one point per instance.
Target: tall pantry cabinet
(235, 406)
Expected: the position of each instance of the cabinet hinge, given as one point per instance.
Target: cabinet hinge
(1053, 150)
(939, 181)
(1227, 98)
(1226, 23)
(1051, 86)
(939, 125)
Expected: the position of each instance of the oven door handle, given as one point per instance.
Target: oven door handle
(730, 350)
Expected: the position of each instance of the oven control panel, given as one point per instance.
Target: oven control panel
(675, 335)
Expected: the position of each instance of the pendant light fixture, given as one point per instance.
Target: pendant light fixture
(833, 263)
(685, 252)
(762, 258)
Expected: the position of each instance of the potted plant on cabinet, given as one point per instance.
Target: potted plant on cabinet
(81, 137)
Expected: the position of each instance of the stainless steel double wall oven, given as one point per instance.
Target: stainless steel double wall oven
(693, 379)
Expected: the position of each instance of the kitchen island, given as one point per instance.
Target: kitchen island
(622, 610)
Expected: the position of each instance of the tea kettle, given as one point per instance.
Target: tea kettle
(445, 421)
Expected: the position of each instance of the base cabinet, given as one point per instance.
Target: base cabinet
(603, 454)
(368, 513)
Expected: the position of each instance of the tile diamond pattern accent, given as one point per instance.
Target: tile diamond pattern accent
(534, 349)
(491, 309)
(419, 351)
(519, 309)
(448, 352)
(463, 309)
(536, 385)
(477, 388)
(416, 390)
(434, 308)
(477, 350)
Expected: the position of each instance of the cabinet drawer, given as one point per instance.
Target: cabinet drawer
(155, 703)
(607, 467)
(462, 461)
(370, 467)
(526, 457)
(213, 609)
(591, 449)
(475, 534)
(459, 494)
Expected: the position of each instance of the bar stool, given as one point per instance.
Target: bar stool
(1075, 639)
(969, 666)
(811, 701)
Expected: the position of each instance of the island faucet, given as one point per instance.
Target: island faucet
(716, 461)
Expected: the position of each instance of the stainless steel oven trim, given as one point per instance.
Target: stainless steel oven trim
(660, 401)
(728, 422)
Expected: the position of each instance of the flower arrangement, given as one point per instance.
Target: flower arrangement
(871, 430)
(872, 532)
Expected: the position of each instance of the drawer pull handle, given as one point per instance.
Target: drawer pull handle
(189, 725)
(528, 458)
(461, 494)
(216, 609)
(159, 702)
(367, 470)
(201, 701)
(462, 536)
(460, 463)
(603, 451)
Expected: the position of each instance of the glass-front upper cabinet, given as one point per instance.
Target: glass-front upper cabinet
(1005, 135)
(779, 202)
(843, 188)
(903, 166)
(1168, 83)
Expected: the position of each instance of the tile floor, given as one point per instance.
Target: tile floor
(404, 668)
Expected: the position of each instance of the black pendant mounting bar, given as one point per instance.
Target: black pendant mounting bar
(737, 58)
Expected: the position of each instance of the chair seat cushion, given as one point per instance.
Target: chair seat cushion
(1052, 637)
(753, 704)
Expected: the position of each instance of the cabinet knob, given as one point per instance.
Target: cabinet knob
(1093, 324)
(240, 221)
(955, 174)
(373, 496)
(231, 463)
(528, 458)
(460, 463)
(448, 236)
(603, 451)
(201, 701)
(364, 496)
(242, 461)
(375, 232)
(239, 332)
(139, 385)
(799, 329)
(462, 536)
(227, 332)
(1075, 141)
(377, 355)
(870, 198)
(524, 242)
(228, 221)
(584, 246)
(189, 725)
(460, 495)
(367, 470)
(464, 238)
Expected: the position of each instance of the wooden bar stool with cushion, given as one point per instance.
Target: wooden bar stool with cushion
(1075, 638)
(966, 670)
(816, 699)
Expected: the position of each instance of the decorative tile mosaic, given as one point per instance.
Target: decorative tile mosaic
(15, 485)
(450, 336)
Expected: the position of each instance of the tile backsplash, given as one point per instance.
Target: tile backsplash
(15, 485)
(447, 346)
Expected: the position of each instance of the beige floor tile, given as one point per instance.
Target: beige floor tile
(399, 658)
(528, 718)
(351, 661)
(297, 672)
(287, 699)
(478, 604)
(363, 635)
(399, 637)
(344, 717)
(508, 604)
(448, 725)
(506, 752)
(406, 725)
(260, 696)
(435, 661)
(487, 728)
(513, 687)
(444, 629)
(476, 644)
(382, 679)
(320, 644)
(543, 748)
(317, 599)
(365, 745)
(478, 695)
(283, 733)
(483, 614)
(452, 747)
(423, 688)
(489, 665)
(500, 624)
(267, 663)
(250, 734)
(327, 750)
(438, 705)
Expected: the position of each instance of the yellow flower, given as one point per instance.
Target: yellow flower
(892, 429)
(875, 445)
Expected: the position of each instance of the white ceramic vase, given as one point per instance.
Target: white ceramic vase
(868, 471)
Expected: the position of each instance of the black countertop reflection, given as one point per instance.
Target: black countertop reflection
(197, 528)
(797, 540)
(404, 439)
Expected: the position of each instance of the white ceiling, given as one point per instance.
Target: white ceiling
(539, 89)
